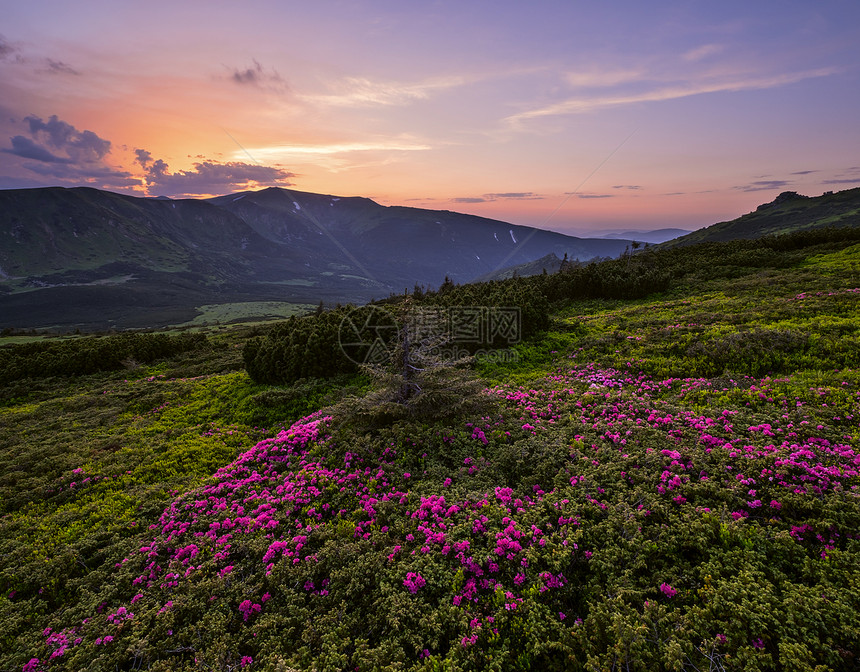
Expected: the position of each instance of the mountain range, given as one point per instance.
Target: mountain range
(653, 237)
(94, 259)
(97, 260)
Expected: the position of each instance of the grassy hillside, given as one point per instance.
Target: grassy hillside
(788, 213)
(664, 482)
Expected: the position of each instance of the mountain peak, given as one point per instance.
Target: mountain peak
(784, 197)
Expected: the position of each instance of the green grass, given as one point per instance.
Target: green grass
(16, 339)
(248, 311)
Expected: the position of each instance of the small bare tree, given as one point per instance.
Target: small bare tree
(418, 381)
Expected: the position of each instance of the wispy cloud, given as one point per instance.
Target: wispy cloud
(7, 50)
(515, 195)
(700, 53)
(502, 196)
(849, 181)
(583, 104)
(602, 77)
(59, 68)
(763, 185)
(359, 91)
(595, 195)
(305, 151)
(630, 187)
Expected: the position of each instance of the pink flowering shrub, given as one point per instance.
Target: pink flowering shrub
(667, 590)
(290, 523)
(414, 582)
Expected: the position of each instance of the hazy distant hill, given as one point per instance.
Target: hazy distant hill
(550, 263)
(655, 236)
(91, 258)
(788, 212)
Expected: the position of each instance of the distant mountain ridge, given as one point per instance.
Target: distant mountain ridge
(787, 213)
(653, 237)
(97, 259)
(549, 264)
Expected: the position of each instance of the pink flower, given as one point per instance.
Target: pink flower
(414, 582)
(668, 591)
(246, 660)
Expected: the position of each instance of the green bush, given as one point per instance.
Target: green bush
(300, 347)
(81, 356)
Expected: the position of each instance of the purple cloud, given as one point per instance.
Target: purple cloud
(518, 195)
(507, 195)
(27, 149)
(60, 68)
(143, 157)
(60, 152)
(6, 49)
(81, 146)
(764, 185)
(255, 75)
(209, 177)
(98, 175)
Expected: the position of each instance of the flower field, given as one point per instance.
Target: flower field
(670, 483)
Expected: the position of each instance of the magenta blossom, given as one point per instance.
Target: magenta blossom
(414, 582)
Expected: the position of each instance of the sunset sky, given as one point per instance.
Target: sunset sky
(572, 116)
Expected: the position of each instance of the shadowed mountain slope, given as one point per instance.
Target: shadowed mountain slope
(95, 259)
